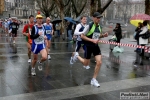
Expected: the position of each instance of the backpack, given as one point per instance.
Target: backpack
(146, 35)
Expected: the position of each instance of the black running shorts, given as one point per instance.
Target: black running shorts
(14, 34)
(89, 50)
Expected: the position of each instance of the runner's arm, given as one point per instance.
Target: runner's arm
(83, 35)
(24, 30)
(76, 32)
(33, 35)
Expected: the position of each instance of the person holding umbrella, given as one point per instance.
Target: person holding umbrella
(137, 31)
(143, 41)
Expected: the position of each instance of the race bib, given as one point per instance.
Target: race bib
(13, 26)
(48, 31)
(96, 36)
(40, 39)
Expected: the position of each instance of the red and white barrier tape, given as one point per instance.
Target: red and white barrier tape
(126, 45)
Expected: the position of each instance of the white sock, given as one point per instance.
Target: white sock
(93, 79)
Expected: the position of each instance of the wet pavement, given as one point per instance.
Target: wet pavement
(60, 80)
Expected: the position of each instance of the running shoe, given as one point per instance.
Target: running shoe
(29, 60)
(49, 57)
(86, 67)
(14, 42)
(95, 83)
(33, 73)
(74, 55)
(40, 66)
(71, 60)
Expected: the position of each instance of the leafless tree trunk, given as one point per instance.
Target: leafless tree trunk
(96, 6)
(46, 6)
(61, 4)
(147, 7)
(78, 6)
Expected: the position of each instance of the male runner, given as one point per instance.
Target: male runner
(38, 43)
(91, 35)
(27, 32)
(14, 27)
(49, 32)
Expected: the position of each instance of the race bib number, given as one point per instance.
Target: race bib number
(40, 39)
(48, 31)
(96, 36)
(13, 26)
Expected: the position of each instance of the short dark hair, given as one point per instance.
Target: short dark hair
(83, 16)
(31, 16)
(145, 23)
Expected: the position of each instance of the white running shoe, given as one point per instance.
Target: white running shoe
(75, 54)
(86, 67)
(33, 73)
(14, 42)
(95, 83)
(71, 60)
(29, 60)
(40, 66)
(49, 57)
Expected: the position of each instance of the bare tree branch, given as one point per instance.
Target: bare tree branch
(107, 4)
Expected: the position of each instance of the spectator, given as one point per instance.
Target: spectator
(138, 30)
(118, 32)
(142, 41)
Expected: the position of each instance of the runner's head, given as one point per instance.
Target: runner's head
(13, 19)
(39, 18)
(31, 19)
(83, 19)
(96, 17)
(48, 19)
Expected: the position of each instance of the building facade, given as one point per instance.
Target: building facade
(2, 6)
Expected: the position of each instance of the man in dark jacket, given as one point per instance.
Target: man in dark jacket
(14, 26)
(118, 32)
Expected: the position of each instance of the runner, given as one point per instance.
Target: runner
(27, 33)
(38, 43)
(91, 35)
(6, 26)
(49, 32)
(78, 31)
(14, 27)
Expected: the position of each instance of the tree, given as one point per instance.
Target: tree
(78, 7)
(147, 7)
(61, 5)
(96, 6)
(46, 6)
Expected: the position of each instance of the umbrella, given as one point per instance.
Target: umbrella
(69, 19)
(78, 19)
(134, 20)
(140, 17)
(57, 20)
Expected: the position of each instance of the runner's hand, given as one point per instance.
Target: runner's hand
(105, 35)
(95, 41)
(45, 37)
(40, 33)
